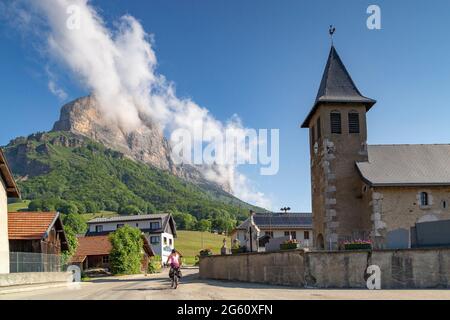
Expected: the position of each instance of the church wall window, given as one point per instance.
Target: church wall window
(424, 199)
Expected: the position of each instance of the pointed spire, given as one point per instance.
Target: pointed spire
(337, 86)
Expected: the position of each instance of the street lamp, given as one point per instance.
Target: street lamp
(285, 209)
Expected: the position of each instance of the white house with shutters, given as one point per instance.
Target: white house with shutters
(8, 189)
(260, 228)
(159, 229)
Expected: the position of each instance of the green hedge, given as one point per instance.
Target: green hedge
(357, 246)
(288, 246)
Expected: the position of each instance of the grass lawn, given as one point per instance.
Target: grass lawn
(189, 243)
(18, 206)
(101, 214)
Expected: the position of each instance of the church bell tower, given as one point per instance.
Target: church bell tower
(337, 135)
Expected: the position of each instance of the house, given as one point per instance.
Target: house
(8, 189)
(36, 240)
(262, 227)
(372, 192)
(159, 229)
(93, 252)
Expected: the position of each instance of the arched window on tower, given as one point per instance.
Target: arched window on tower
(335, 120)
(353, 122)
(423, 199)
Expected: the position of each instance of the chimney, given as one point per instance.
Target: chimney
(252, 213)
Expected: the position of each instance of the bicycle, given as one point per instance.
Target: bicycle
(175, 276)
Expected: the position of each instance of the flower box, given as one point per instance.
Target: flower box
(289, 246)
(205, 252)
(238, 250)
(358, 246)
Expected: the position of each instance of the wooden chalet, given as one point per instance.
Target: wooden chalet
(36, 232)
(93, 252)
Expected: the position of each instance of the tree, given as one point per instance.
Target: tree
(67, 208)
(151, 208)
(130, 210)
(185, 221)
(80, 206)
(35, 205)
(72, 243)
(91, 207)
(224, 223)
(47, 205)
(111, 205)
(204, 225)
(126, 253)
(75, 222)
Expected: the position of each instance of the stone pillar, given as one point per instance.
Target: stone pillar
(224, 250)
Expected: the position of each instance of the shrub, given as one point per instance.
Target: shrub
(154, 264)
(205, 252)
(72, 243)
(237, 248)
(289, 245)
(236, 244)
(358, 245)
(126, 253)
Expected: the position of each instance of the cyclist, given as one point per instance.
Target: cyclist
(174, 260)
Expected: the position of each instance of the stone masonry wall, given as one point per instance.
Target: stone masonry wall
(400, 269)
(336, 195)
(396, 209)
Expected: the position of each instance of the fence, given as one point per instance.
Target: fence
(35, 262)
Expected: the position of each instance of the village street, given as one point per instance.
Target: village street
(157, 286)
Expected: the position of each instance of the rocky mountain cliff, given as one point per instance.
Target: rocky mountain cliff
(145, 144)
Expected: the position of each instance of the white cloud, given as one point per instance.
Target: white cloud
(57, 91)
(118, 65)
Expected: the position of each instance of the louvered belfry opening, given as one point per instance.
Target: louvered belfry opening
(335, 120)
(353, 122)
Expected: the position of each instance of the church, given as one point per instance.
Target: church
(368, 192)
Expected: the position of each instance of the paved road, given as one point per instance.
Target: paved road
(157, 286)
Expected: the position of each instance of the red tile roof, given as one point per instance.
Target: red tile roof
(99, 246)
(29, 225)
(93, 246)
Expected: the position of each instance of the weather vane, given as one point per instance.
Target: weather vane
(331, 31)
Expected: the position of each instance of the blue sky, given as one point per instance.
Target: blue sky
(263, 60)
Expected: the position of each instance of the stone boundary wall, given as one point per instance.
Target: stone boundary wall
(28, 278)
(400, 269)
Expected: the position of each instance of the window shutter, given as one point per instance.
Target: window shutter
(353, 122)
(335, 119)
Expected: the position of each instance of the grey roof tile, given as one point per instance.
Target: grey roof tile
(279, 220)
(407, 165)
(129, 218)
(337, 86)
